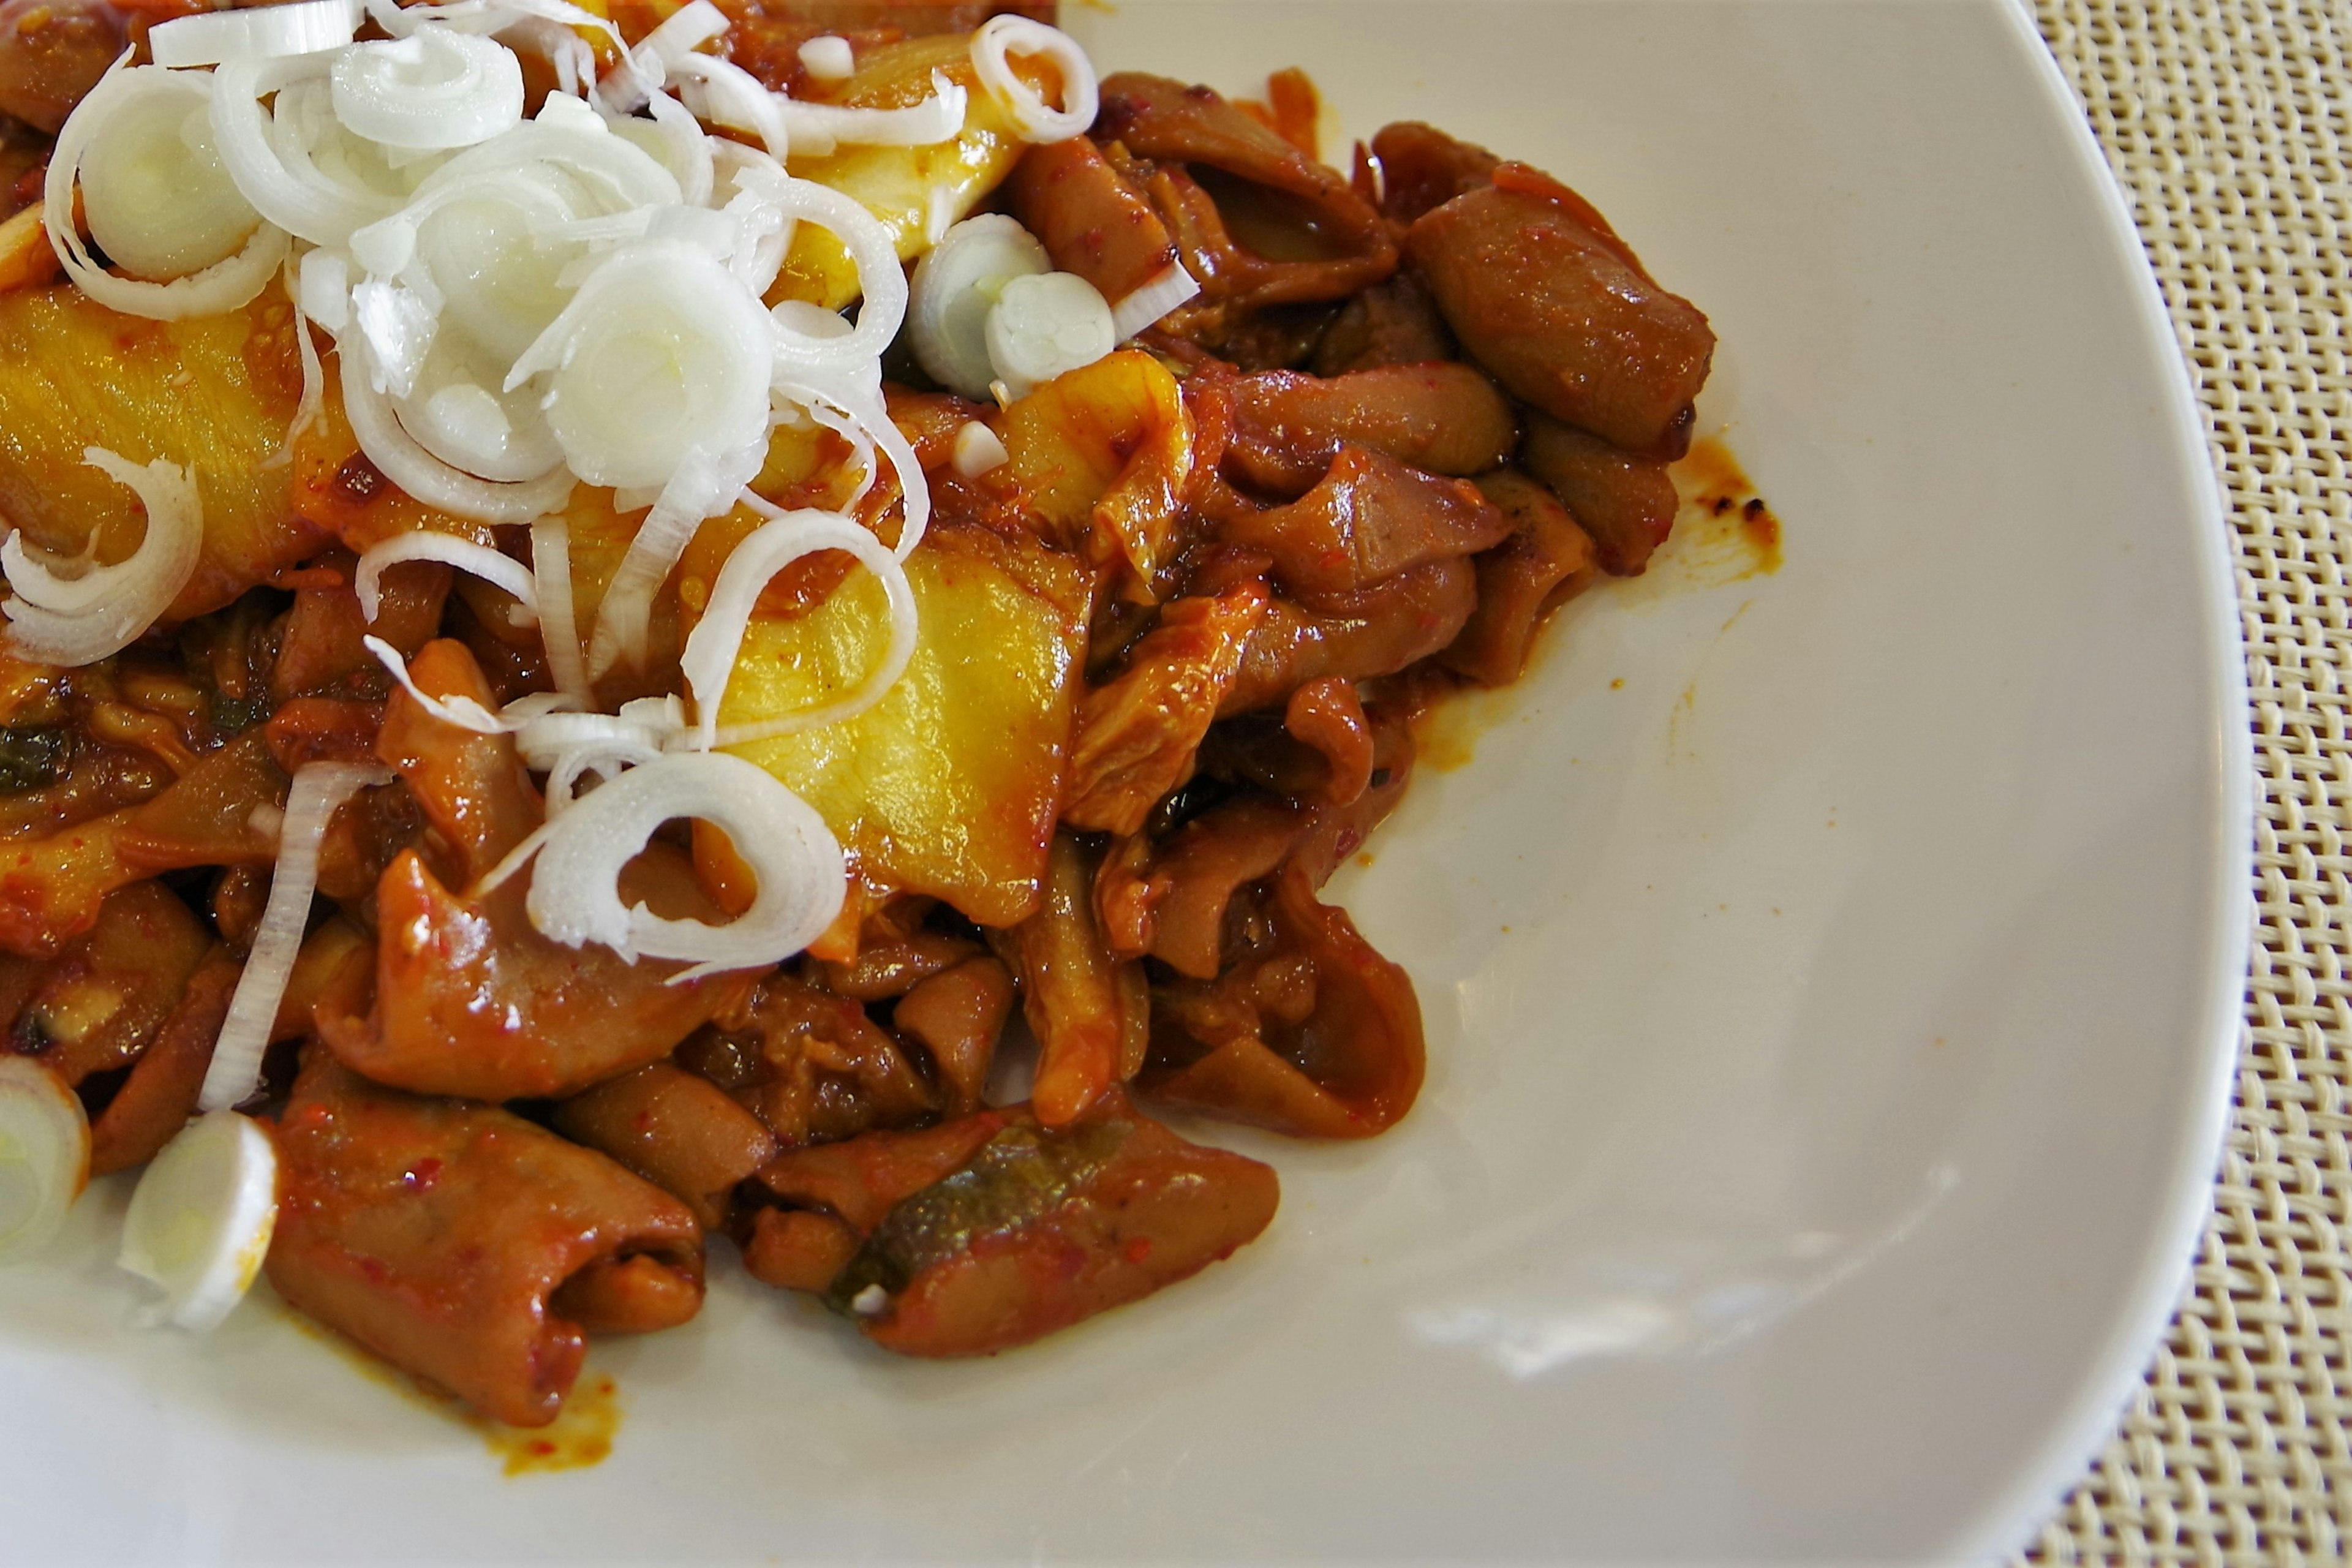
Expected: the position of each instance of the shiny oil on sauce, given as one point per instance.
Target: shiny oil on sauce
(1724, 532)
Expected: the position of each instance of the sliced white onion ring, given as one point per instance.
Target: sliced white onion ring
(712, 651)
(314, 375)
(1148, 302)
(725, 94)
(435, 88)
(859, 400)
(956, 285)
(881, 280)
(1038, 121)
(1045, 326)
(80, 619)
(209, 37)
(297, 196)
(44, 1155)
(501, 572)
(318, 789)
(575, 891)
(201, 1218)
(224, 286)
(559, 625)
(817, 128)
(425, 477)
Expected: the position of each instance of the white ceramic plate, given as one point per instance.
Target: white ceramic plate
(1830, 1025)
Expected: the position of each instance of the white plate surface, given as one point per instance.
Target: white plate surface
(1830, 1025)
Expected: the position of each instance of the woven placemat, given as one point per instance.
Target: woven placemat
(2226, 122)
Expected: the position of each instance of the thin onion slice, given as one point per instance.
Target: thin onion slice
(314, 375)
(1038, 121)
(575, 891)
(500, 570)
(725, 94)
(817, 128)
(956, 284)
(559, 625)
(1045, 326)
(463, 712)
(319, 788)
(702, 488)
(44, 1155)
(81, 619)
(1148, 302)
(829, 58)
(881, 280)
(297, 196)
(224, 286)
(860, 402)
(201, 1218)
(712, 651)
(406, 463)
(435, 88)
(209, 37)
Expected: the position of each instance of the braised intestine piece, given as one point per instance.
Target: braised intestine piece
(812, 1066)
(1356, 636)
(1440, 418)
(1624, 501)
(678, 1132)
(1369, 519)
(465, 1244)
(1091, 219)
(989, 1232)
(95, 1005)
(155, 1101)
(1551, 302)
(1547, 559)
(469, 997)
(1259, 223)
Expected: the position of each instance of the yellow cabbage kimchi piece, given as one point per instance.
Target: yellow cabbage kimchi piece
(214, 394)
(949, 786)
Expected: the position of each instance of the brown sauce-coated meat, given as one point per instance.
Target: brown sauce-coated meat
(1547, 558)
(676, 1130)
(1623, 501)
(1371, 519)
(435, 1231)
(1560, 315)
(1375, 633)
(1440, 418)
(1091, 219)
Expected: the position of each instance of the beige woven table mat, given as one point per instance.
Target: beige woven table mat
(2226, 122)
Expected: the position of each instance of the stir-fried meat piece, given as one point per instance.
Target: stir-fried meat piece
(51, 53)
(1562, 315)
(1311, 1032)
(862, 1179)
(1136, 736)
(1043, 1229)
(1090, 218)
(441, 1235)
(1259, 222)
(1393, 322)
(957, 1015)
(1547, 558)
(1329, 716)
(1204, 865)
(1090, 1010)
(1368, 519)
(678, 1132)
(94, 1006)
(156, 1101)
(321, 651)
(1377, 632)
(1421, 168)
(470, 998)
(1439, 418)
(812, 1066)
(1626, 504)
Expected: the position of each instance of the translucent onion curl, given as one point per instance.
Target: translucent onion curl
(295, 194)
(559, 626)
(209, 37)
(77, 620)
(224, 286)
(575, 891)
(1038, 121)
(501, 572)
(318, 789)
(425, 477)
(463, 712)
(817, 128)
(435, 88)
(717, 640)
